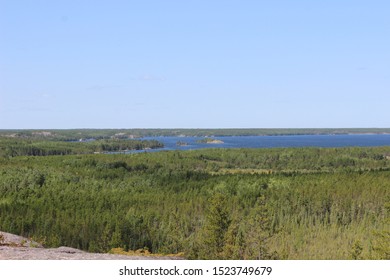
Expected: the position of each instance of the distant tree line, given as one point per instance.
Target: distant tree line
(32, 147)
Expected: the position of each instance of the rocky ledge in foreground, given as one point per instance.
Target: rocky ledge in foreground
(14, 247)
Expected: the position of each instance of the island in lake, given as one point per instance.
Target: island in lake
(181, 143)
(210, 141)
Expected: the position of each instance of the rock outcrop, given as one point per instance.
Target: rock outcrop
(14, 247)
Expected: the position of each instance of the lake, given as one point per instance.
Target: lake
(348, 140)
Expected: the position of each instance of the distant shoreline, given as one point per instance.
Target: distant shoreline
(76, 134)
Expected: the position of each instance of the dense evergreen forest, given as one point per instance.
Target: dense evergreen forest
(285, 203)
(35, 147)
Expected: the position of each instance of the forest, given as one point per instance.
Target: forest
(276, 203)
(38, 147)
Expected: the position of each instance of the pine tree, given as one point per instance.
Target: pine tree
(356, 250)
(105, 239)
(173, 234)
(215, 228)
(116, 238)
(258, 231)
(382, 243)
(234, 241)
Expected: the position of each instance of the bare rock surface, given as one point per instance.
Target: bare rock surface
(14, 247)
(10, 239)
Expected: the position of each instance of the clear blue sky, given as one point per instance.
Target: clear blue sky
(194, 64)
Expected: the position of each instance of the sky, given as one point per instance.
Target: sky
(194, 64)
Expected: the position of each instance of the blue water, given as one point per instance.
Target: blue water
(352, 140)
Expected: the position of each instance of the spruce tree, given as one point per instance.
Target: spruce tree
(258, 231)
(215, 227)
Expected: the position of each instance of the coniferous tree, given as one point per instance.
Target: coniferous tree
(258, 231)
(234, 241)
(116, 238)
(215, 227)
(382, 243)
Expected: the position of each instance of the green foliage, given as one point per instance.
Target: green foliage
(215, 227)
(11, 147)
(382, 245)
(235, 241)
(382, 241)
(356, 250)
(258, 231)
(303, 203)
